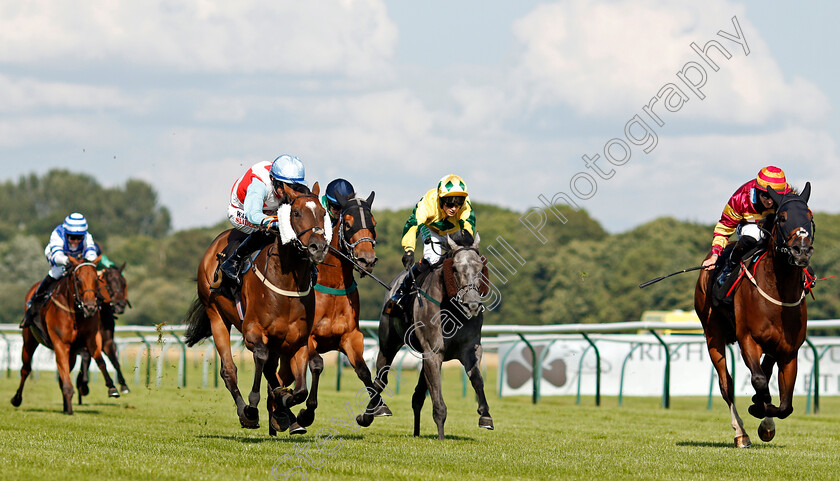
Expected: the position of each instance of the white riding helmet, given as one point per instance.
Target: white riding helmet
(75, 224)
(288, 169)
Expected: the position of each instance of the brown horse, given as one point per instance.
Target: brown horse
(770, 316)
(117, 288)
(277, 306)
(71, 321)
(336, 324)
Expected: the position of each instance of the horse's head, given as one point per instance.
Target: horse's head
(357, 230)
(305, 223)
(793, 226)
(117, 288)
(85, 285)
(467, 266)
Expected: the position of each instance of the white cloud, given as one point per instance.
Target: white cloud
(25, 94)
(606, 59)
(348, 38)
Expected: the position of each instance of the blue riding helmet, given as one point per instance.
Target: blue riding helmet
(336, 188)
(75, 224)
(288, 169)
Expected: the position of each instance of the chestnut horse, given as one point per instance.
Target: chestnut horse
(277, 306)
(336, 324)
(118, 291)
(770, 316)
(71, 321)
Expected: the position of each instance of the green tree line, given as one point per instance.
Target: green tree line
(581, 274)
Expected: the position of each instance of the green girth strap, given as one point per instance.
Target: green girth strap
(336, 292)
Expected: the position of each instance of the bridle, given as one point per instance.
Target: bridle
(79, 292)
(473, 284)
(314, 229)
(780, 240)
(113, 291)
(364, 214)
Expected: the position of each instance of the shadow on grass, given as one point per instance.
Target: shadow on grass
(706, 444)
(76, 411)
(449, 437)
(280, 438)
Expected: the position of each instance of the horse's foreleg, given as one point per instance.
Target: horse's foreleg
(471, 360)
(787, 379)
(298, 364)
(227, 370)
(353, 346)
(109, 347)
(387, 351)
(82, 378)
(417, 400)
(431, 369)
(272, 382)
(307, 415)
(717, 353)
(256, 341)
(94, 346)
(29, 346)
(62, 362)
(751, 353)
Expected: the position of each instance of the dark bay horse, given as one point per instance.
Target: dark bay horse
(444, 323)
(336, 323)
(71, 321)
(277, 306)
(117, 288)
(770, 315)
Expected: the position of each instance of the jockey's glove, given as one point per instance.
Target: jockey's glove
(408, 259)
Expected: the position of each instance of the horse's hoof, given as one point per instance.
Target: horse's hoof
(766, 434)
(84, 390)
(742, 441)
(305, 417)
(16, 400)
(124, 389)
(112, 392)
(383, 411)
(280, 421)
(757, 410)
(485, 422)
(296, 428)
(249, 418)
(364, 420)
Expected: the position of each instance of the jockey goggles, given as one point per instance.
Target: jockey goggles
(455, 201)
(75, 237)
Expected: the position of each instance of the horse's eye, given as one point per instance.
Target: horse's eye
(296, 213)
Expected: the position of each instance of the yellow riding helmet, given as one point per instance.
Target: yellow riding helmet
(452, 185)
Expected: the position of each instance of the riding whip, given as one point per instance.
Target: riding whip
(652, 281)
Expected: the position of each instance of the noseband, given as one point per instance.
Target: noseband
(314, 229)
(472, 285)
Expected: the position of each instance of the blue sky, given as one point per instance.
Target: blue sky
(392, 95)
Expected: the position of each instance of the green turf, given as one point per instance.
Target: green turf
(164, 433)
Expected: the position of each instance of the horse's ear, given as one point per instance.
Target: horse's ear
(290, 193)
(122, 267)
(369, 200)
(806, 192)
(777, 197)
(342, 201)
(477, 240)
(316, 189)
(96, 261)
(74, 261)
(451, 243)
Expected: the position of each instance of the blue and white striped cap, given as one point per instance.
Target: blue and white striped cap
(75, 223)
(288, 169)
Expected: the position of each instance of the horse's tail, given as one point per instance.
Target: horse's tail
(198, 324)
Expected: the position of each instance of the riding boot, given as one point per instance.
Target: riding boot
(396, 304)
(33, 307)
(232, 266)
(726, 278)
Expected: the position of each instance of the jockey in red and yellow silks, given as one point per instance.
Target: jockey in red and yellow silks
(747, 206)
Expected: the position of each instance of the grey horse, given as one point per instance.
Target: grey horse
(443, 322)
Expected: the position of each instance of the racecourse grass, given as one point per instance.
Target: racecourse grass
(170, 433)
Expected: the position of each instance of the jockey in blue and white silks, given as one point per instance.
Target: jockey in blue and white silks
(68, 239)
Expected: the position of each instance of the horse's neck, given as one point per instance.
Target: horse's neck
(335, 271)
(286, 266)
(777, 272)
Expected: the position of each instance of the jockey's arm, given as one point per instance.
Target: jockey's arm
(89, 252)
(254, 201)
(55, 250)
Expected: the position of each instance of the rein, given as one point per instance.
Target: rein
(764, 294)
(345, 245)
